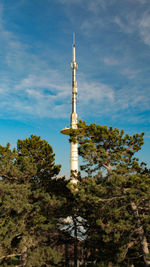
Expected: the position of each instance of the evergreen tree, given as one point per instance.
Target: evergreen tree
(103, 218)
(105, 148)
(114, 195)
(33, 160)
(29, 204)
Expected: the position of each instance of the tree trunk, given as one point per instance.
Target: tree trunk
(75, 243)
(66, 255)
(142, 237)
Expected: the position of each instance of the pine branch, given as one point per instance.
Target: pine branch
(9, 177)
(110, 199)
(10, 256)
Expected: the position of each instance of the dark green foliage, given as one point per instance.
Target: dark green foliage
(114, 196)
(37, 153)
(111, 226)
(103, 219)
(29, 206)
(103, 147)
(33, 160)
(48, 257)
(28, 220)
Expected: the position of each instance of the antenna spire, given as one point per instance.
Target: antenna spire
(73, 39)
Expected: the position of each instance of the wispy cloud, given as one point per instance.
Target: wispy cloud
(98, 99)
(94, 98)
(110, 61)
(87, 25)
(136, 22)
(87, 16)
(132, 99)
(96, 92)
(123, 25)
(94, 6)
(36, 89)
(46, 98)
(130, 73)
(144, 27)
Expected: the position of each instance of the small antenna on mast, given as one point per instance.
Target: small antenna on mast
(74, 39)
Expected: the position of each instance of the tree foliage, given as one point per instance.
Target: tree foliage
(102, 220)
(114, 195)
(32, 160)
(28, 207)
(103, 147)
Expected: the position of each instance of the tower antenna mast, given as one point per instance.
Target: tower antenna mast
(73, 38)
(73, 118)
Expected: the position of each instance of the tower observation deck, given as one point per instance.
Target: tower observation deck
(73, 118)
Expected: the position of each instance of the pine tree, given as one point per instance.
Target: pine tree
(114, 196)
(30, 206)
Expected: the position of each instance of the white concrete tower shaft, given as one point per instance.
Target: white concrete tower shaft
(73, 120)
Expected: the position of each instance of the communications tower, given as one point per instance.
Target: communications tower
(73, 118)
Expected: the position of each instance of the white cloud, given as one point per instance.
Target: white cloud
(125, 26)
(96, 5)
(132, 99)
(144, 27)
(96, 92)
(92, 6)
(47, 95)
(110, 61)
(136, 22)
(41, 91)
(38, 90)
(88, 26)
(90, 18)
(94, 98)
(130, 73)
(129, 20)
(98, 99)
(54, 102)
(25, 78)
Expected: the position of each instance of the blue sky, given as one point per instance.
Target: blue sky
(113, 54)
